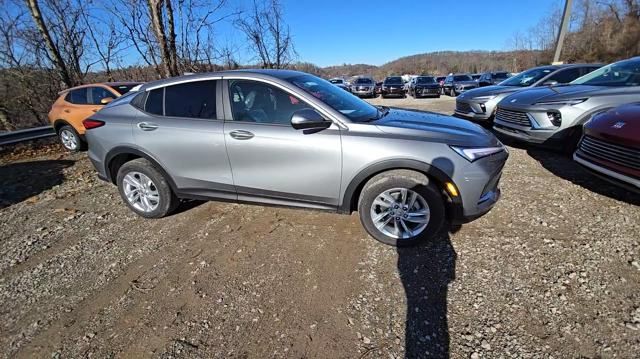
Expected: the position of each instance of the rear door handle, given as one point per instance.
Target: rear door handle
(241, 135)
(147, 126)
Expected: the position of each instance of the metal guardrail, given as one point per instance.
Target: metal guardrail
(7, 138)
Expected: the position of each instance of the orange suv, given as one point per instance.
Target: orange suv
(76, 104)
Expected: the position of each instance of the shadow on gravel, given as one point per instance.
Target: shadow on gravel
(425, 272)
(23, 180)
(564, 167)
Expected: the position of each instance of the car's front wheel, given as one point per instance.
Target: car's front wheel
(145, 190)
(401, 208)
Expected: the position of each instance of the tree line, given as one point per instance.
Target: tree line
(49, 45)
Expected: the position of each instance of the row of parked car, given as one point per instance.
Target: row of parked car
(419, 86)
(587, 110)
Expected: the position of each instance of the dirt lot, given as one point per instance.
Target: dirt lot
(552, 271)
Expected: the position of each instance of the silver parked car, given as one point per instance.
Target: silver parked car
(480, 104)
(554, 115)
(363, 86)
(456, 84)
(282, 137)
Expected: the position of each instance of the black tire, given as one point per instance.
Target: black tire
(571, 143)
(414, 181)
(167, 201)
(67, 130)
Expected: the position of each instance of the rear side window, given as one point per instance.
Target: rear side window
(155, 101)
(78, 97)
(138, 100)
(192, 100)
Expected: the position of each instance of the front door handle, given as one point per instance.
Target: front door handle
(241, 135)
(147, 126)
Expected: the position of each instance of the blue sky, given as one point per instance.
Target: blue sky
(332, 32)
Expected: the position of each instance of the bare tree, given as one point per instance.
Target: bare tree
(268, 35)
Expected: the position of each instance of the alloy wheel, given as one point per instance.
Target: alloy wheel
(140, 191)
(69, 140)
(400, 213)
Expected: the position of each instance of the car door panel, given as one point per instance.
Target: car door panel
(192, 151)
(278, 164)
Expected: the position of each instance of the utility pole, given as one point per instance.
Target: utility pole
(566, 15)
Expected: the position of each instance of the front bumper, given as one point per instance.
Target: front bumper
(475, 110)
(615, 177)
(368, 92)
(478, 186)
(393, 91)
(427, 91)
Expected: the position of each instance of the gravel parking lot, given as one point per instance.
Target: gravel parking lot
(552, 271)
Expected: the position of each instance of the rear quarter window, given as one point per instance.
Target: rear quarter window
(155, 100)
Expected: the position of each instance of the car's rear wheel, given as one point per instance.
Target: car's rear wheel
(145, 190)
(401, 208)
(70, 139)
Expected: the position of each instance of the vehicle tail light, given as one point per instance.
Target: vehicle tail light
(91, 123)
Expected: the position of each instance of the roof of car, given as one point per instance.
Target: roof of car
(110, 84)
(274, 73)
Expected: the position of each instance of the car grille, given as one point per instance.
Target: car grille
(515, 117)
(463, 107)
(363, 88)
(607, 151)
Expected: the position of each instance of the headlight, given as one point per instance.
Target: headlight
(475, 153)
(562, 102)
(484, 98)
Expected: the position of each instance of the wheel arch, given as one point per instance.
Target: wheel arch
(120, 155)
(351, 195)
(59, 123)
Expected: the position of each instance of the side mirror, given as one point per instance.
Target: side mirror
(106, 100)
(309, 119)
(550, 83)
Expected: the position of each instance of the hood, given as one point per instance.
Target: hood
(433, 126)
(490, 91)
(472, 82)
(534, 95)
(619, 125)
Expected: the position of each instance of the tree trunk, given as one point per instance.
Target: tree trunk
(173, 51)
(53, 51)
(155, 12)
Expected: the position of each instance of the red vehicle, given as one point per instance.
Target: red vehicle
(610, 146)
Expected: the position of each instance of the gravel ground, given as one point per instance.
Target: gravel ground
(552, 271)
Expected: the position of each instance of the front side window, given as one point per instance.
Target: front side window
(99, 93)
(623, 73)
(350, 106)
(191, 100)
(78, 96)
(527, 78)
(565, 76)
(258, 102)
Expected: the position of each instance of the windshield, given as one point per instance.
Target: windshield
(425, 80)
(528, 77)
(623, 73)
(462, 78)
(351, 106)
(393, 81)
(363, 81)
(123, 89)
(501, 75)
(475, 77)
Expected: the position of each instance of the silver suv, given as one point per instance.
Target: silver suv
(554, 115)
(289, 138)
(480, 104)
